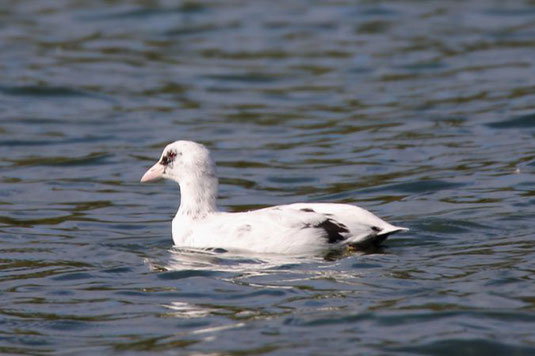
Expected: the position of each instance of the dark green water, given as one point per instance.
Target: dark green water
(420, 111)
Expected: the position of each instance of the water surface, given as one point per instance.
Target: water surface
(420, 111)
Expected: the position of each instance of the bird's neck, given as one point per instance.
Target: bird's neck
(197, 197)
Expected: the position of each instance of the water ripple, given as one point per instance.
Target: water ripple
(421, 113)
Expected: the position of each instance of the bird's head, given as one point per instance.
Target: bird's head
(181, 160)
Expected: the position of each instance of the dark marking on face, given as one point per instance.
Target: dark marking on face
(376, 229)
(168, 158)
(334, 230)
(307, 210)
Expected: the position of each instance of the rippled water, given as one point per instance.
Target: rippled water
(421, 111)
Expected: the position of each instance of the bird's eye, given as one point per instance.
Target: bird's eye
(168, 158)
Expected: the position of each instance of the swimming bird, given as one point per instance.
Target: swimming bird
(300, 228)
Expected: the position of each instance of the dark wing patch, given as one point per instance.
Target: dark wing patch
(307, 210)
(376, 229)
(244, 229)
(334, 230)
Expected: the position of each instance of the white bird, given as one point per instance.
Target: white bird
(300, 229)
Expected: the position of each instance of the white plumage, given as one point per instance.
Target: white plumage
(302, 228)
